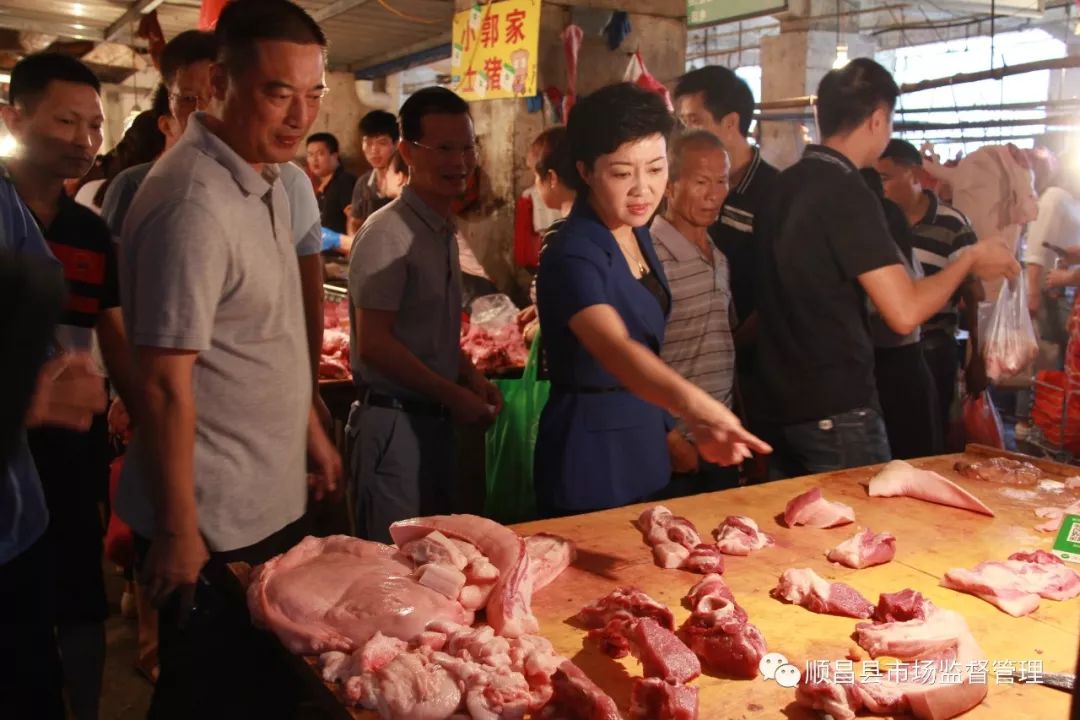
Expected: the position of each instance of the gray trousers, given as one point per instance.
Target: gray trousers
(401, 466)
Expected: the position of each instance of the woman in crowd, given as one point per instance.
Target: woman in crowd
(604, 300)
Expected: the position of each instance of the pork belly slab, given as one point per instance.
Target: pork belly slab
(813, 510)
(1016, 585)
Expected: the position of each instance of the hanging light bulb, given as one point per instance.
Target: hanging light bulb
(841, 57)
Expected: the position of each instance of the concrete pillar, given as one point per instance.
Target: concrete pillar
(792, 65)
(505, 128)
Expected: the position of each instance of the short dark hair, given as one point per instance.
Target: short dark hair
(848, 96)
(902, 153)
(326, 139)
(599, 123)
(546, 147)
(32, 75)
(689, 140)
(243, 23)
(379, 122)
(428, 101)
(159, 107)
(723, 92)
(187, 48)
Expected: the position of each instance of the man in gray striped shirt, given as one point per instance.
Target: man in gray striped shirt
(697, 341)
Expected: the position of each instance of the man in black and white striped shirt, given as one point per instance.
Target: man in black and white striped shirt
(939, 233)
(697, 340)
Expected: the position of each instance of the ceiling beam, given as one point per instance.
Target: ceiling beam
(337, 8)
(418, 47)
(133, 13)
(78, 31)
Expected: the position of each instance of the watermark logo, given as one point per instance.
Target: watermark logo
(775, 666)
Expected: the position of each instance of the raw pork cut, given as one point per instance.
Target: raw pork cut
(813, 510)
(805, 587)
(899, 478)
(576, 697)
(494, 350)
(1015, 585)
(901, 606)
(940, 638)
(625, 601)
(1054, 516)
(1000, 470)
(611, 618)
(718, 632)
(509, 605)
(740, 535)
(334, 593)
(676, 543)
(449, 671)
(654, 699)
(704, 560)
(864, 549)
(662, 654)
(334, 359)
(548, 555)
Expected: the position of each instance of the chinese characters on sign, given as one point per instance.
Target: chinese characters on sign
(494, 50)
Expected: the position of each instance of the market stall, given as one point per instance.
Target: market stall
(931, 539)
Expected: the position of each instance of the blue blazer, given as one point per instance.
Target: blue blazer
(596, 450)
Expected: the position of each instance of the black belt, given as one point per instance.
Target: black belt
(588, 389)
(412, 407)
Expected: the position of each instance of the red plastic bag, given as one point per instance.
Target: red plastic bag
(982, 424)
(637, 73)
(118, 537)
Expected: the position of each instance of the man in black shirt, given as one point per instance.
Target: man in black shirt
(825, 247)
(714, 98)
(333, 184)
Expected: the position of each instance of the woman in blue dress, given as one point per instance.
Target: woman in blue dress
(603, 302)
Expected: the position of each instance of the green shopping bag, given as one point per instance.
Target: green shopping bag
(509, 445)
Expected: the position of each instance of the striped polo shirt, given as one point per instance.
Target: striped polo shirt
(697, 340)
(83, 244)
(937, 239)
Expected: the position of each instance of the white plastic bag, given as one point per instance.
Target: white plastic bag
(1009, 341)
(493, 312)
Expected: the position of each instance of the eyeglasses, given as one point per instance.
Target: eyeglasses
(468, 152)
(188, 100)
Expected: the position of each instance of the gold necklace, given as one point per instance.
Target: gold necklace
(643, 269)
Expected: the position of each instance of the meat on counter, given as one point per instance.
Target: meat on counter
(1016, 585)
(899, 478)
(864, 550)
(813, 510)
(805, 587)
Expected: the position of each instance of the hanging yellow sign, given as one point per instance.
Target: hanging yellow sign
(495, 50)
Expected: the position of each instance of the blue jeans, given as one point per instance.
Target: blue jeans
(847, 440)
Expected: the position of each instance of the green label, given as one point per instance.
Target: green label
(711, 12)
(1067, 545)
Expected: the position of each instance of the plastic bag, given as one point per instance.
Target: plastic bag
(982, 424)
(492, 312)
(510, 443)
(1010, 343)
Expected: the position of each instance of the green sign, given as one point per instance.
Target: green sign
(712, 12)
(1067, 545)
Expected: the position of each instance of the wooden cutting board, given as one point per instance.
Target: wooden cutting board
(930, 540)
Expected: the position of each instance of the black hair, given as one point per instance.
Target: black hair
(848, 96)
(428, 101)
(899, 228)
(142, 143)
(326, 139)
(723, 92)
(32, 75)
(187, 48)
(610, 117)
(159, 106)
(379, 122)
(397, 164)
(902, 153)
(243, 23)
(689, 140)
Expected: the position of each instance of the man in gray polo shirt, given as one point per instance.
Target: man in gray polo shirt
(212, 300)
(405, 289)
(697, 340)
